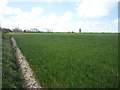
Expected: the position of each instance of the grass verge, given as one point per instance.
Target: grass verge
(10, 74)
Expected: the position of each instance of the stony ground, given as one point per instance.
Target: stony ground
(28, 75)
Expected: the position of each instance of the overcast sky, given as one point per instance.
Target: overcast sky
(60, 15)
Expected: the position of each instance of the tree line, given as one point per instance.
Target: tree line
(15, 30)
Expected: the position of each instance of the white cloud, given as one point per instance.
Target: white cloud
(34, 18)
(52, 18)
(66, 17)
(3, 4)
(95, 8)
(11, 17)
(36, 11)
(43, 0)
(97, 26)
(9, 11)
(115, 21)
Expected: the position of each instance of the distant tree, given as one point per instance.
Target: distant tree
(5, 30)
(48, 30)
(34, 30)
(0, 29)
(24, 31)
(17, 29)
(69, 32)
(72, 31)
(0, 26)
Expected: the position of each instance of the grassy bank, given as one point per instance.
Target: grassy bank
(72, 60)
(10, 74)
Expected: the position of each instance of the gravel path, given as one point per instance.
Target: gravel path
(28, 75)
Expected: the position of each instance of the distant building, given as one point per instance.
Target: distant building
(80, 30)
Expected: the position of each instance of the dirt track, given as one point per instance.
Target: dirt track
(28, 75)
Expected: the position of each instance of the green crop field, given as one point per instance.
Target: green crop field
(71, 60)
